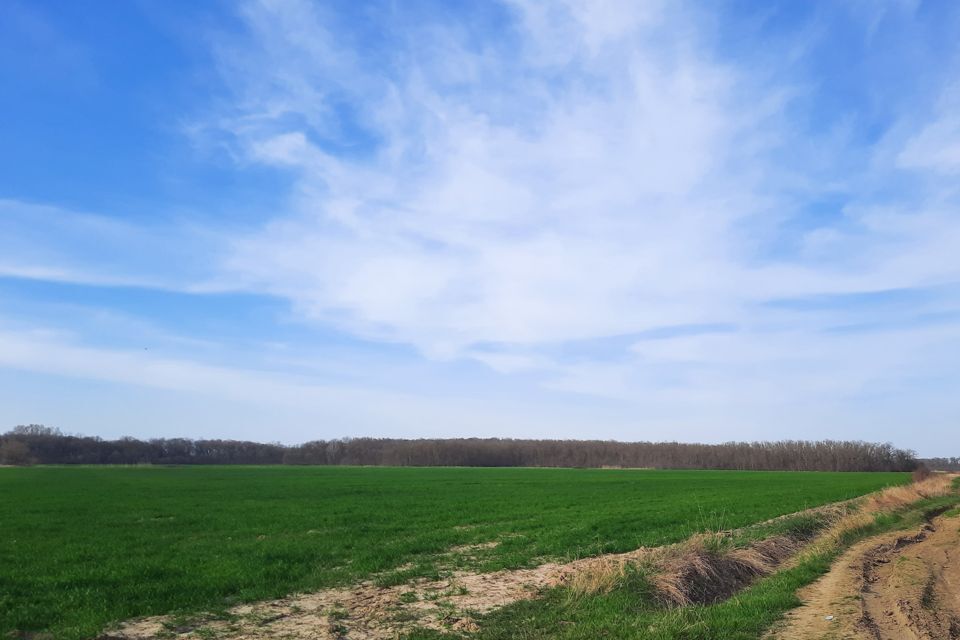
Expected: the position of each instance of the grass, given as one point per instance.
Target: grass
(81, 547)
(630, 612)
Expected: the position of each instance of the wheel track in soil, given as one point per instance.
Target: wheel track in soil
(894, 586)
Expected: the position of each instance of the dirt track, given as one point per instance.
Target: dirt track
(903, 586)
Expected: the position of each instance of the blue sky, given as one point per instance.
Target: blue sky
(284, 220)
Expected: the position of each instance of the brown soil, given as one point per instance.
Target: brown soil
(890, 587)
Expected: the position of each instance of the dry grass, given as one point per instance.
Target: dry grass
(697, 573)
(701, 569)
(766, 555)
(884, 501)
(601, 575)
(679, 570)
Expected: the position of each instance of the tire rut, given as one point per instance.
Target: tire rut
(890, 587)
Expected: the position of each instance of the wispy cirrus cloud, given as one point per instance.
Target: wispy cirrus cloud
(567, 187)
(46, 242)
(600, 172)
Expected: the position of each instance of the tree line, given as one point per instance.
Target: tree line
(942, 464)
(37, 444)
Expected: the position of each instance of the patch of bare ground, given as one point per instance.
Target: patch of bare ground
(472, 551)
(891, 587)
(365, 611)
(702, 569)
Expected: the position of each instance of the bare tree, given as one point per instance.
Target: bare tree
(48, 445)
(14, 452)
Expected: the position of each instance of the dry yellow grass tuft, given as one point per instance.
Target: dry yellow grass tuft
(601, 575)
(765, 556)
(677, 570)
(696, 570)
(883, 501)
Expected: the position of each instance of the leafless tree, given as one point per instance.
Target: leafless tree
(47, 445)
(14, 452)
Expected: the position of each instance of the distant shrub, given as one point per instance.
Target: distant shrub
(921, 473)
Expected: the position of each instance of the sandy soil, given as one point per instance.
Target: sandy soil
(891, 587)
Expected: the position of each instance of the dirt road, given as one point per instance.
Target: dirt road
(903, 586)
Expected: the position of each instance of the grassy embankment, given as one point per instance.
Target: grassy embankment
(633, 608)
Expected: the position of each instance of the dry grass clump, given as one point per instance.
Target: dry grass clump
(886, 500)
(765, 556)
(683, 570)
(706, 568)
(602, 574)
(933, 486)
(698, 573)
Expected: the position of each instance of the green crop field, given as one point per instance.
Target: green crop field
(85, 546)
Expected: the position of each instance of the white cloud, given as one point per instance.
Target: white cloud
(44, 242)
(569, 210)
(936, 146)
(628, 194)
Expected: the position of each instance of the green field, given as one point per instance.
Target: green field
(82, 547)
